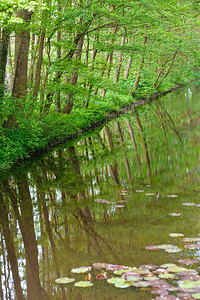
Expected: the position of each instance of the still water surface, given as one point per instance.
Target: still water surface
(104, 199)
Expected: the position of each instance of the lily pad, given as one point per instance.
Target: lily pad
(152, 247)
(190, 277)
(162, 292)
(190, 274)
(141, 284)
(169, 265)
(100, 265)
(81, 270)
(166, 246)
(191, 240)
(116, 267)
(189, 284)
(103, 201)
(173, 250)
(193, 246)
(100, 200)
(185, 296)
(160, 271)
(167, 276)
(150, 278)
(167, 297)
(114, 280)
(131, 276)
(141, 271)
(159, 283)
(176, 269)
(176, 234)
(83, 284)
(120, 272)
(150, 194)
(64, 280)
(152, 267)
(175, 214)
(122, 285)
(188, 261)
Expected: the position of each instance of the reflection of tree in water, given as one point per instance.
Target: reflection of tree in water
(21, 202)
(51, 202)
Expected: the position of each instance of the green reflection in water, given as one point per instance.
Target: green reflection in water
(104, 199)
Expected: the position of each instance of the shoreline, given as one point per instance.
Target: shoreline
(81, 130)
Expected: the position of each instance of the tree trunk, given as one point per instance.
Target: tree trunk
(140, 66)
(39, 65)
(120, 59)
(58, 105)
(19, 90)
(169, 69)
(20, 80)
(3, 62)
(128, 67)
(74, 78)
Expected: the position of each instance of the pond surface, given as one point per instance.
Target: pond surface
(105, 199)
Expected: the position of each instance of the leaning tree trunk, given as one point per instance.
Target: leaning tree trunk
(137, 79)
(74, 78)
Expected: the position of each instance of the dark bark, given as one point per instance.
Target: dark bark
(20, 80)
(3, 62)
(39, 65)
(19, 90)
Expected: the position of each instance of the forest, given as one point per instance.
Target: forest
(65, 65)
(123, 198)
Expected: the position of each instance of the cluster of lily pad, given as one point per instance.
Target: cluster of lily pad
(82, 283)
(115, 204)
(167, 281)
(192, 243)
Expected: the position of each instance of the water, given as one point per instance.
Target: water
(53, 219)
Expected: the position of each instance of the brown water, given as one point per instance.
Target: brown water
(52, 219)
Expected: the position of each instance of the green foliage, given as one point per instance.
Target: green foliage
(113, 33)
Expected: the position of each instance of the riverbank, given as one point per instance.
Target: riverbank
(33, 139)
